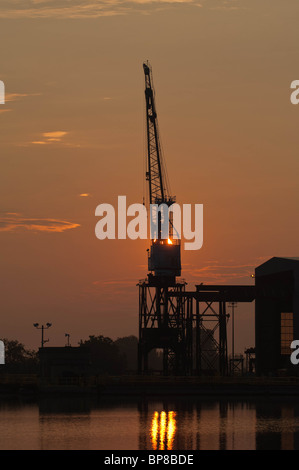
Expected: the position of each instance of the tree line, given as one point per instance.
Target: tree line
(107, 356)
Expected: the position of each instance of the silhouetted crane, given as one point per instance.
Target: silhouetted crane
(165, 258)
(162, 319)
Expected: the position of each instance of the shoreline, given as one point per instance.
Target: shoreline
(150, 386)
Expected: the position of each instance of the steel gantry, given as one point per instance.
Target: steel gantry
(190, 328)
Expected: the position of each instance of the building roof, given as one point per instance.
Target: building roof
(278, 264)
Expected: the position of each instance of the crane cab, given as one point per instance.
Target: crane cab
(165, 258)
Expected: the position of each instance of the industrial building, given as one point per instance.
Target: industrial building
(276, 316)
(60, 364)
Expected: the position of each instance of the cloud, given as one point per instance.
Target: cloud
(18, 96)
(51, 137)
(54, 136)
(81, 8)
(214, 272)
(12, 222)
(9, 97)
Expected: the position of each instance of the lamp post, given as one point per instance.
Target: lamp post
(67, 335)
(36, 325)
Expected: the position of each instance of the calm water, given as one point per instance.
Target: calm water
(184, 424)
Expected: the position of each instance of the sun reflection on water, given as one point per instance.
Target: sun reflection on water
(163, 428)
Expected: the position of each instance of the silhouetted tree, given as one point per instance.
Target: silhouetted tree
(104, 355)
(18, 358)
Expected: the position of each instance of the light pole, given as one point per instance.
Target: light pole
(67, 335)
(36, 325)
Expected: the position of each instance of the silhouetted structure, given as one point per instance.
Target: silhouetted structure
(211, 308)
(250, 360)
(236, 364)
(209, 348)
(276, 315)
(204, 347)
(60, 364)
(167, 317)
(164, 322)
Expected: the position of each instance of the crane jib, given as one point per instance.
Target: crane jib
(162, 261)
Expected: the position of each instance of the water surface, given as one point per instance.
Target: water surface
(80, 423)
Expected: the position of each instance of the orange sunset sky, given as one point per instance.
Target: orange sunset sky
(74, 124)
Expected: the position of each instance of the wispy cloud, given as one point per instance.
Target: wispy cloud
(12, 97)
(215, 272)
(81, 8)
(61, 138)
(12, 222)
(50, 137)
(54, 136)
(18, 96)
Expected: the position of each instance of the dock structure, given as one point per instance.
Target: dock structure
(189, 326)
